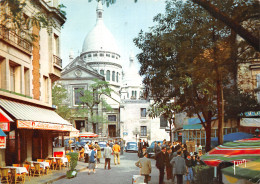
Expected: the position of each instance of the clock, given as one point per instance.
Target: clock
(78, 73)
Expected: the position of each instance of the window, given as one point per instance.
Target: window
(56, 45)
(134, 94)
(99, 15)
(143, 130)
(26, 81)
(89, 55)
(117, 74)
(111, 117)
(101, 54)
(12, 78)
(46, 89)
(143, 112)
(95, 55)
(113, 56)
(113, 76)
(102, 72)
(107, 55)
(78, 92)
(163, 122)
(108, 75)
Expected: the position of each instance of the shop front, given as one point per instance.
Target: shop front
(31, 131)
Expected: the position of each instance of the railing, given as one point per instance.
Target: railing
(12, 37)
(57, 60)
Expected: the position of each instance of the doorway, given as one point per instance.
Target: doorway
(80, 125)
(112, 130)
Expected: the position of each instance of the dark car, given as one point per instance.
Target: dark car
(131, 146)
(150, 149)
(102, 144)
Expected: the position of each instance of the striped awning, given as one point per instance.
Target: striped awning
(248, 149)
(87, 134)
(32, 117)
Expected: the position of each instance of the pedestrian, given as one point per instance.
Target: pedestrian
(92, 160)
(145, 167)
(158, 148)
(140, 148)
(179, 165)
(107, 155)
(161, 159)
(81, 153)
(168, 164)
(98, 152)
(189, 165)
(116, 151)
(86, 152)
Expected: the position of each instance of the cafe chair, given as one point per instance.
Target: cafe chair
(5, 177)
(16, 178)
(40, 160)
(37, 169)
(58, 163)
(47, 169)
(16, 165)
(53, 163)
(28, 168)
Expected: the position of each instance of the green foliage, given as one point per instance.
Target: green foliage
(92, 97)
(203, 174)
(73, 163)
(59, 95)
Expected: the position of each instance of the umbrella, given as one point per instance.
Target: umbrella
(87, 134)
(248, 149)
(249, 171)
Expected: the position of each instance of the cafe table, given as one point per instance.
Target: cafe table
(63, 159)
(42, 164)
(19, 170)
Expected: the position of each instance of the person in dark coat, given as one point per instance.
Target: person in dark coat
(140, 148)
(161, 160)
(168, 165)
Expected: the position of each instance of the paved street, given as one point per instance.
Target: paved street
(120, 174)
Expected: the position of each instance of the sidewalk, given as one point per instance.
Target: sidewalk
(54, 175)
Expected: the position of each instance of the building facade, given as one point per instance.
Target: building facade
(28, 71)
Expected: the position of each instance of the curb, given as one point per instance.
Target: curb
(63, 176)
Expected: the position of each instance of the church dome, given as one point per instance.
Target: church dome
(100, 38)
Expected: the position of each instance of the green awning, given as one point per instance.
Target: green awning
(192, 127)
(2, 134)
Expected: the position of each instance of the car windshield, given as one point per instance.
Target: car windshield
(131, 143)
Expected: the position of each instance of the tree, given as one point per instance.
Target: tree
(91, 98)
(59, 95)
(188, 55)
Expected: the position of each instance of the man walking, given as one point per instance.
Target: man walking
(92, 160)
(179, 166)
(116, 150)
(86, 152)
(161, 159)
(107, 156)
(145, 167)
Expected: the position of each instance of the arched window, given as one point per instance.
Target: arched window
(113, 76)
(108, 75)
(117, 74)
(102, 72)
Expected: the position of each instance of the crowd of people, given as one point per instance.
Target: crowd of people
(172, 157)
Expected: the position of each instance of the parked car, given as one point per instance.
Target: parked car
(102, 144)
(150, 149)
(131, 146)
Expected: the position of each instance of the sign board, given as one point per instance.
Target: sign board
(2, 142)
(43, 126)
(5, 127)
(190, 146)
(125, 133)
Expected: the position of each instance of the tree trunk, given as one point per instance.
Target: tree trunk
(208, 135)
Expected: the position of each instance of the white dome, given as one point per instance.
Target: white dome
(100, 38)
(132, 77)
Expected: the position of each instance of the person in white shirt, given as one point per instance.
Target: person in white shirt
(86, 152)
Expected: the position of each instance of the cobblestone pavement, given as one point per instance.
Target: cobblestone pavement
(119, 174)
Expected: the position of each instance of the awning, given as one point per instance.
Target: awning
(2, 134)
(250, 122)
(192, 127)
(31, 117)
(74, 132)
(4, 118)
(87, 134)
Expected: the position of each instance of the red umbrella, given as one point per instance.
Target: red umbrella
(246, 149)
(87, 134)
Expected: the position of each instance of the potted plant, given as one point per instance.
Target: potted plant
(73, 161)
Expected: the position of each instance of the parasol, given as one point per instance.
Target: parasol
(246, 149)
(87, 134)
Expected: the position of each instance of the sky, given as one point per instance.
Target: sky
(124, 19)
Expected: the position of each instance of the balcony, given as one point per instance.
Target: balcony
(13, 39)
(56, 67)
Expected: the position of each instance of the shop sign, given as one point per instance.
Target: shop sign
(43, 126)
(2, 142)
(251, 113)
(5, 127)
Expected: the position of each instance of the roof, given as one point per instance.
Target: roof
(26, 112)
(192, 127)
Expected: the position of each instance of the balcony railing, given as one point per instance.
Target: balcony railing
(57, 61)
(12, 37)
